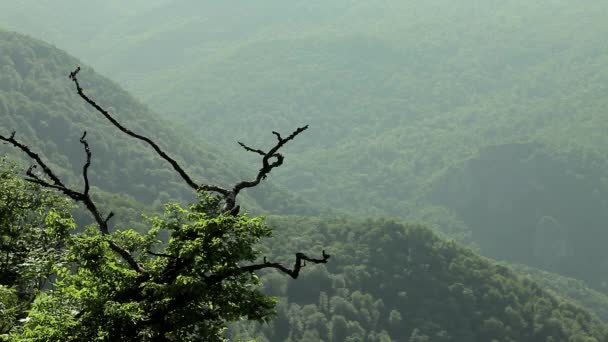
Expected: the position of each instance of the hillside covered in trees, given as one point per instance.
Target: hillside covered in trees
(402, 94)
(39, 103)
(484, 121)
(393, 282)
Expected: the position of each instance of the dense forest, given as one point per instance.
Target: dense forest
(42, 108)
(395, 282)
(400, 94)
(483, 121)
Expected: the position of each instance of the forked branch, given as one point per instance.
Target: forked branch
(270, 159)
(294, 272)
(74, 77)
(81, 197)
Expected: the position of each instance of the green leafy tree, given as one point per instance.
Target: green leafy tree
(34, 228)
(130, 286)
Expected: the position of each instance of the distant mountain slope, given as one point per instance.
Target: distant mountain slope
(38, 102)
(404, 97)
(573, 289)
(394, 108)
(397, 91)
(535, 205)
(390, 282)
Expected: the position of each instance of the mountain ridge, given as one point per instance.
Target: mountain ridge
(41, 105)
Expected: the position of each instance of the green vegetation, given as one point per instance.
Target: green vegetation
(38, 102)
(34, 229)
(387, 282)
(573, 289)
(486, 121)
(402, 95)
(534, 205)
(107, 300)
(190, 289)
(392, 282)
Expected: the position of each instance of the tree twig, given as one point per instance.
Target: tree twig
(82, 197)
(294, 272)
(270, 159)
(74, 77)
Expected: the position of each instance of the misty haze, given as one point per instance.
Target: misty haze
(303, 171)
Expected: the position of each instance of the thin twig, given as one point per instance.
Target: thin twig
(74, 77)
(82, 197)
(294, 272)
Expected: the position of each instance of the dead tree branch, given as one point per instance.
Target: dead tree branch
(247, 148)
(270, 159)
(301, 258)
(85, 167)
(74, 77)
(294, 272)
(81, 197)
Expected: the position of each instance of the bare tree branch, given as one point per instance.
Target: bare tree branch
(278, 135)
(34, 156)
(110, 215)
(82, 197)
(260, 152)
(85, 167)
(270, 159)
(301, 258)
(157, 149)
(294, 272)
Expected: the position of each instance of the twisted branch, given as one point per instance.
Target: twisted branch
(85, 167)
(270, 159)
(294, 272)
(301, 258)
(157, 149)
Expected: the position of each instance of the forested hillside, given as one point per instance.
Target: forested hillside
(39, 103)
(401, 95)
(571, 288)
(398, 90)
(394, 282)
(386, 282)
(534, 205)
(486, 121)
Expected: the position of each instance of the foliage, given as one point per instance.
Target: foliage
(34, 228)
(37, 101)
(10, 308)
(532, 204)
(404, 96)
(400, 90)
(571, 288)
(106, 300)
(422, 108)
(395, 282)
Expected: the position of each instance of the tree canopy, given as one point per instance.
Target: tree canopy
(115, 286)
